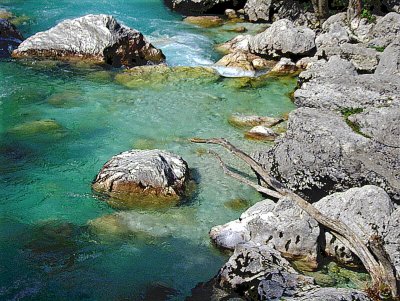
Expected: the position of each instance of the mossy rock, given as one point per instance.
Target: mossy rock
(322, 279)
(205, 21)
(44, 126)
(66, 99)
(347, 277)
(160, 76)
(100, 76)
(237, 204)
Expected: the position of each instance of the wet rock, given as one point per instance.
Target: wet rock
(283, 226)
(98, 38)
(323, 153)
(256, 271)
(243, 60)
(284, 66)
(131, 176)
(283, 38)
(198, 7)
(205, 21)
(159, 76)
(44, 126)
(356, 208)
(10, 38)
(237, 204)
(336, 85)
(258, 10)
(242, 120)
(390, 60)
(261, 132)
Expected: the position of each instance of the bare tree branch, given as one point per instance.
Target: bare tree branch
(379, 267)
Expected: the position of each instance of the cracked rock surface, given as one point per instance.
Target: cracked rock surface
(96, 37)
(143, 172)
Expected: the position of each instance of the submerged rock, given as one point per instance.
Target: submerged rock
(205, 21)
(143, 176)
(242, 120)
(159, 76)
(10, 38)
(98, 38)
(44, 126)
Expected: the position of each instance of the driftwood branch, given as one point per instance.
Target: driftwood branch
(377, 264)
(244, 180)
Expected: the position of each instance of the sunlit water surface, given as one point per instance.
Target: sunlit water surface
(48, 251)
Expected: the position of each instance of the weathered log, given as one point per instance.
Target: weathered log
(376, 263)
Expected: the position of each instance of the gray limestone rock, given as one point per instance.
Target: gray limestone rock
(143, 172)
(386, 30)
(321, 154)
(390, 60)
(283, 38)
(336, 85)
(260, 270)
(258, 10)
(283, 226)
(330, 294)
(357, 208)
(99, 38)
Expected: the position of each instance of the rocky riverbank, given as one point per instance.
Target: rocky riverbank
(340, 151)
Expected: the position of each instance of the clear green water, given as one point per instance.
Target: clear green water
(48, 251)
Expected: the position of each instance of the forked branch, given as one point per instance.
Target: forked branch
(375, 260)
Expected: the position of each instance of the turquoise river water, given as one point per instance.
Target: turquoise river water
(49, 249)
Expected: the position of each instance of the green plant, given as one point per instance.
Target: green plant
(367, 14)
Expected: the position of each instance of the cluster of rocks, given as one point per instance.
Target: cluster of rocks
(340, 150)
(259, 127)
(96, 38)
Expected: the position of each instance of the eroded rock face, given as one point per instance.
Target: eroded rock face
(357, 208)
(321, 154)
(255, 271)
(197, 7)
(10, 38)
(143, 172)
(336, 85)
(283, 38)
(330, 294)
(258, 10)
(283, 226)
(386, 30)
(390, 60)
(99, 38)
